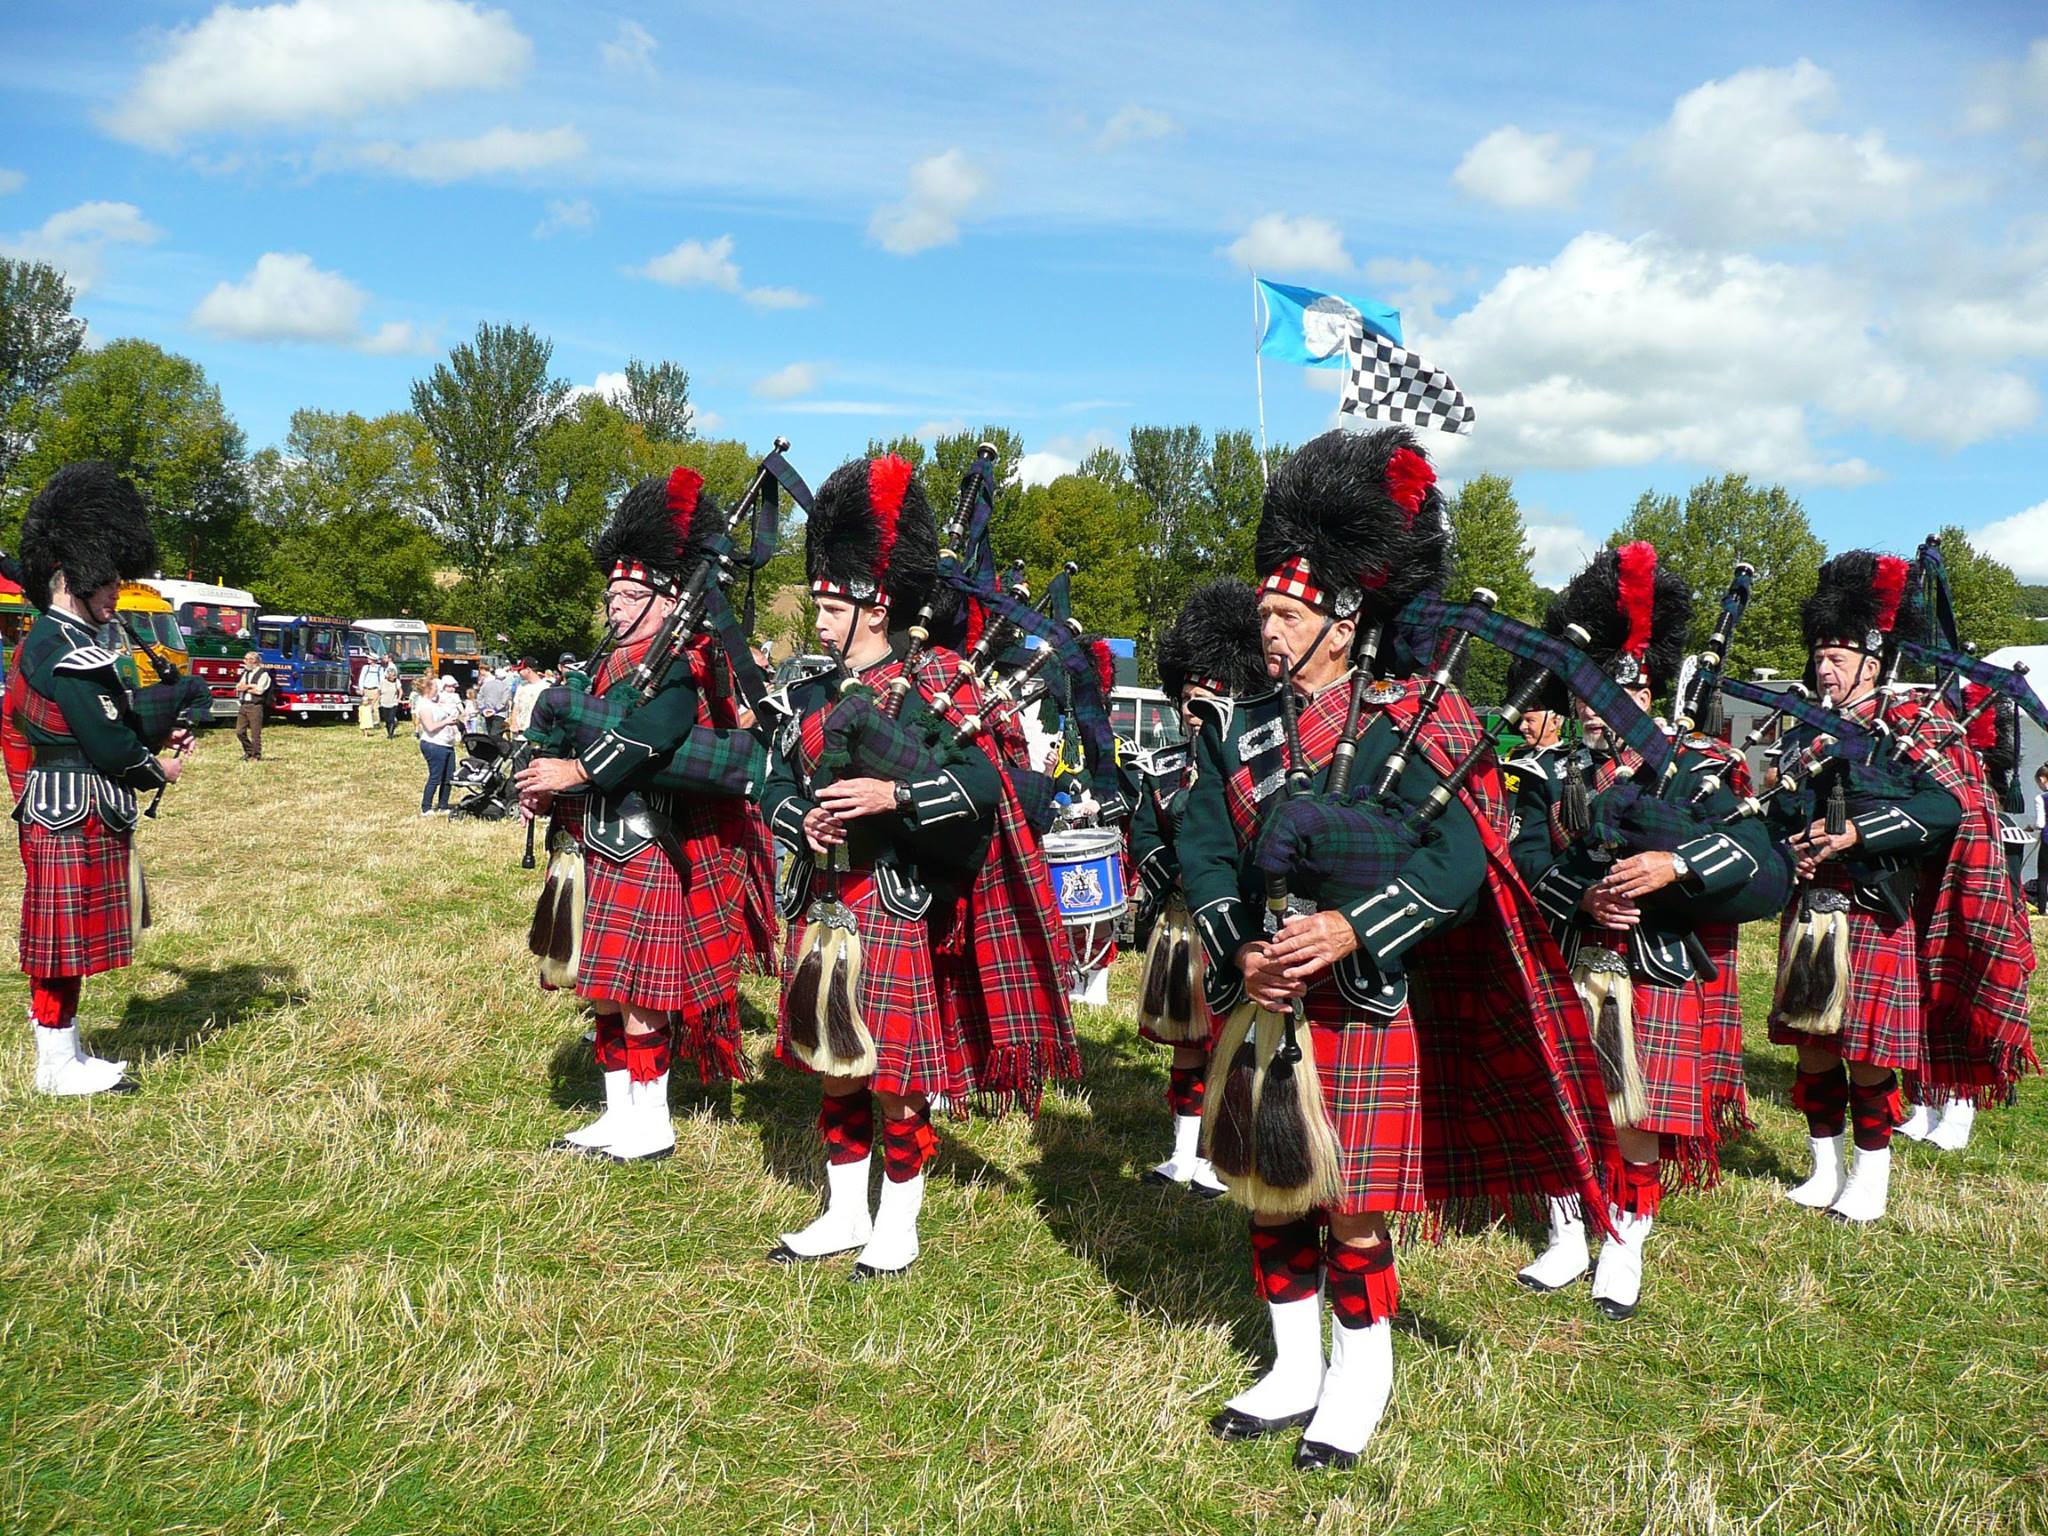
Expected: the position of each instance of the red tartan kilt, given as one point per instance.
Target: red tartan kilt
(1881, 1023)
(1721, 1021)
(649, 943)
(1372, 1087)
(75, 918)
(1669, 1056)
(917, 1049)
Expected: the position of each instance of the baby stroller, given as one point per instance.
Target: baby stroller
(484, 777)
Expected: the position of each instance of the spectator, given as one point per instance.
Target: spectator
(368, 684)
(252, 693)
(2041, 832)
(531, 686)
(493, 702)
(387, 699)
(437, 721)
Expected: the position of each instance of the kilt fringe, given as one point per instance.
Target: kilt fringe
(713, 1041)
(1813, 974)
(1610, 1004)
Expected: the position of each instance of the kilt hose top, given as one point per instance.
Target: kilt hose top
(1672, 1047)
(665, 930)
(1509, 1107)
(91, 747)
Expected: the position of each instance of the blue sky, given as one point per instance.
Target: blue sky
(1809, 242)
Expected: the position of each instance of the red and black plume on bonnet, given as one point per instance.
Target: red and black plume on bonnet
(1354, 522)
(659, 530)
(871, 537)
(1858, 602)
(1637, 614)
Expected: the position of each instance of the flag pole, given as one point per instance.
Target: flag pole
(1259, 373)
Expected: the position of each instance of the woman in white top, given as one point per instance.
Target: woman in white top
(437, 721)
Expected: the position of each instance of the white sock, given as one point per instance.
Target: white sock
(1957, 1120)
(61, 1070)
(1917, 1125)
(1618, 1277)
(613, 1122)
(892, 1246)
(1825, 1183)
(1566, 1256)
(845, 1222)
(1863, 1197)
(1187, 1136)
(1356, 1388)
(1296, 1379)
(648, 1131)
(1202, 1176)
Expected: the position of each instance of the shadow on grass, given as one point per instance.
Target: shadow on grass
(205, 1002)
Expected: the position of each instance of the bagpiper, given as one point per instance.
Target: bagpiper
(1628, 866)
(1904, 949)
(923, 956)
(1212, 653)
(644, 908)
(91, 750)
(1413, 1043)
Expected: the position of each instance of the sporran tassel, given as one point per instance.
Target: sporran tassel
(1180, 987)
(1228, 1103)
(806, 983)
(1294, 1149)
(1609, 996)
(1812, 984)
(1152, 991)
(1575, 810)
(850, 1049)
(558, 918)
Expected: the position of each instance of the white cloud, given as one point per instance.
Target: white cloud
(709, 263)
(942, 188)
(396, 338)
(1740, 159)
(500, 151)
(2011, 88)
(1632, 352)
(314, 60)
(566, 213)
(286, 298)
(1513, 169)
(2020, 541)
(1417, 288)
(1135, 125)
(1557, 546)
(788, 383)
(1276, 243)
(75, 241)
(1042, 468)
(11, 181)
(631, 50)
(945, 427)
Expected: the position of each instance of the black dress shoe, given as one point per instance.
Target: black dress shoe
(644, 1157)
(563, 1144)
(1157, 1179)
(1230, 1424)
(1614, 1311)
(1204, 1192)
(126, 1085)
(865, 1272)
(1530, 1283)
(1314, 1456)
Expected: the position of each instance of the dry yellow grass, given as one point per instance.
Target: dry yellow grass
(319, 1276)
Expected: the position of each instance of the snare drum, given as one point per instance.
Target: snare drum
(1087, 869)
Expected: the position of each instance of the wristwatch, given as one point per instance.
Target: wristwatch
(1679, 868)
(903, 797)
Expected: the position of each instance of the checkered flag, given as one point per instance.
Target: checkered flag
(1387, 383)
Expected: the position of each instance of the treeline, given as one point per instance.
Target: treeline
(478, 504)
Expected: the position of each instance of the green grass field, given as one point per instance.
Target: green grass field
(319, 1276)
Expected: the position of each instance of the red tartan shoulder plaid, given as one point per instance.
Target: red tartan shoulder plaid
(1976, 948)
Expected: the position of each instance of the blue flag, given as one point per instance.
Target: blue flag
(1307, 327)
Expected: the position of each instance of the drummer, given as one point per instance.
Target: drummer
(1212, 653)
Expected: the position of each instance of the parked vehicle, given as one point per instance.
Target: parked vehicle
(454, 653)
(405, 641)
(148, 633)
(16, 614)
(308, 661)
(218, 625)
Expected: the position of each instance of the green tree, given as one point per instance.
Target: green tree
(1990, 604)
(657, 401)
(1104, 464)
(1096, 526)
(950, 456)
(154, 416)
(39, 337)
(1718, 523)
(1167, 467)
(1489, 548)
(346, 502)
(485, 410)
(1235, 485)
